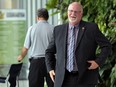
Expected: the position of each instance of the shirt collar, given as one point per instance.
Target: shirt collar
(41, 21)
(76, 26)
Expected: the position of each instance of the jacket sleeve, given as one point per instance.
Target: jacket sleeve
(50, 55)
(104, 44)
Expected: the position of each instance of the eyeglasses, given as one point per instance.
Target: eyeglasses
(76, 12)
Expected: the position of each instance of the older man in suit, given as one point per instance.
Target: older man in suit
(74, 45)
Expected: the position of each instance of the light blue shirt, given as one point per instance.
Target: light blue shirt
(68, 42)
(38, 37)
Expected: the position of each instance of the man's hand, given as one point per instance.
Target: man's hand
(52, 75)
(93, 65)
(22, 55)
(19, 58)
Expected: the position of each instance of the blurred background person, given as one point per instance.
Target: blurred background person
(37, 39)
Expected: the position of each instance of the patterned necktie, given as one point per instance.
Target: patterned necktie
(70, 50)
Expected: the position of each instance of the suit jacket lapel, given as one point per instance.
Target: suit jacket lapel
(64, 36)
(80, 33)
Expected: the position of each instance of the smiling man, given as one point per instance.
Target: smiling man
(74, 45)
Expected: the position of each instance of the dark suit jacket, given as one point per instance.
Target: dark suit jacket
(89, 37)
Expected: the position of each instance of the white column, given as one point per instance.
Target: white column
(29, 12)
(33, 12)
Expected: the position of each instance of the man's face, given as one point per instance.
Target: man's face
(74, 13)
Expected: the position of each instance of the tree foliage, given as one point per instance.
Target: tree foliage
(102, 12)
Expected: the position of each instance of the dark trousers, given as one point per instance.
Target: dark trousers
(71, 79)
(38, 73)
(12, 81)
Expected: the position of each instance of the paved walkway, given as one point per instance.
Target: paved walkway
(22, 83)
